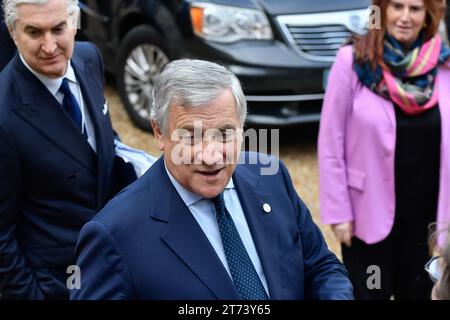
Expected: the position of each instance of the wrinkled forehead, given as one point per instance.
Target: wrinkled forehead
(203, 118)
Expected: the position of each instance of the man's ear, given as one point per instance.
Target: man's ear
(12, 34)
(74, 20)
(158, 135)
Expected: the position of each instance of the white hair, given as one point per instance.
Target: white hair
(193, 83)
(11, 13)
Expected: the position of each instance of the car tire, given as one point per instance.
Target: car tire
(141, 57)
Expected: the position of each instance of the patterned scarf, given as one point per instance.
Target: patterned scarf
(410, 79)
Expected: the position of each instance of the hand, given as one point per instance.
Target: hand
(343, 232)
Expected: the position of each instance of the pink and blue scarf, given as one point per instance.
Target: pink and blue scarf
(409, 79)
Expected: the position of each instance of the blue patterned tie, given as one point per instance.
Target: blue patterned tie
(70, 104)
(244, 275)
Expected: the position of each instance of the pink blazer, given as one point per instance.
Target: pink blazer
(356, 151)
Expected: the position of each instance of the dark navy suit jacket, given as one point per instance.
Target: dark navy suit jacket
(52, 182)
(145, 244)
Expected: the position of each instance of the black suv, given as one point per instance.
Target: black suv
(281, 50)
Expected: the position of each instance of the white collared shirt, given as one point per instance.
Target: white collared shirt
(203, 211)
(53, 85)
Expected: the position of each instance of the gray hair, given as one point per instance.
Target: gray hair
(11, 13)
(193, 83)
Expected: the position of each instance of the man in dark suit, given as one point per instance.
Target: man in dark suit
(198, 225)
(7, 47)
(57, 158)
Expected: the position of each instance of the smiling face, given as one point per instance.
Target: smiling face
(45, 36)
(202, 144)
(404, 20)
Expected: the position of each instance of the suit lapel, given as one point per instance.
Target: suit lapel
(42, 111)
(94, 99)
(262, 226)
(185, 237)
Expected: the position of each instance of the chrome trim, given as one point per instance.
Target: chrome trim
(297, 97)
(282, 121)
(320, 21)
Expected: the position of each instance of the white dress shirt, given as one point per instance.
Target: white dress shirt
(203, 211)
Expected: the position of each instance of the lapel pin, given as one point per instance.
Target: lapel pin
(267, 208)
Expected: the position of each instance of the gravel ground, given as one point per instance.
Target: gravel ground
(297, 149)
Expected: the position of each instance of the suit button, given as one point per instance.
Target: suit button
(267, 208)
(72, 177)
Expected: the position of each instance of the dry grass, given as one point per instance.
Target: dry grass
(297, 150)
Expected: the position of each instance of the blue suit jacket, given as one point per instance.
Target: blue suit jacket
(52, 180)
(145, 244)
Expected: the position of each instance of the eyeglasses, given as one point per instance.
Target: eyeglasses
(433, 267)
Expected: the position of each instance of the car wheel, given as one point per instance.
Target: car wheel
(141, 57)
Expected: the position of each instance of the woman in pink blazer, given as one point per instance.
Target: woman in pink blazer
(384, 159)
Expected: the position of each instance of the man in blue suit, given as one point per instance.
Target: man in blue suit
(57, 160)
(198, 225)
(7, 47)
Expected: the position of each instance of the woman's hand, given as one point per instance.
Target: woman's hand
(343, 232)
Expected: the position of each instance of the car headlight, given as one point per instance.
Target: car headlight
(229, 24)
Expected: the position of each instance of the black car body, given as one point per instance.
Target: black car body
(283, 73)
